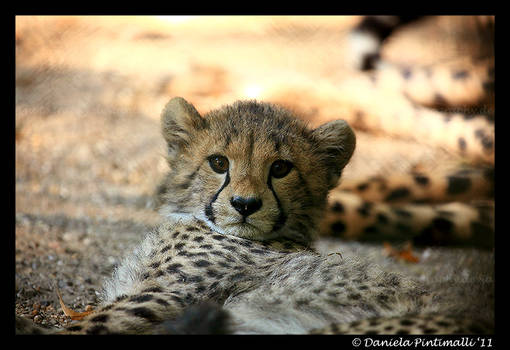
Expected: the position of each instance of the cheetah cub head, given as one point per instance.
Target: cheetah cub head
(251, 169)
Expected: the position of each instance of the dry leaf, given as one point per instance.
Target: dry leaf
(405, 253)
(71, 313)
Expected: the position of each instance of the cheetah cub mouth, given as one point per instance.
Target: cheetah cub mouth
(251, 169)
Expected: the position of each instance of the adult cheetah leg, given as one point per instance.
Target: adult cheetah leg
(351, 217)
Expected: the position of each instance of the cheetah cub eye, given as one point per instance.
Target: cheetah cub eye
(218, 163)
(281, 168)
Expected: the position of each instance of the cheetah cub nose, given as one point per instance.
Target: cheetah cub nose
(246, 206)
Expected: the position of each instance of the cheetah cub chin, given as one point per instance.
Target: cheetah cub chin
(251, 169)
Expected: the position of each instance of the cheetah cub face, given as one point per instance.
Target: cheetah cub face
(251, 169)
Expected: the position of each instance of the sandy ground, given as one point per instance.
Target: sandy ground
(89, 153)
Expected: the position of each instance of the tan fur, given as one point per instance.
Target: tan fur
(259, 274)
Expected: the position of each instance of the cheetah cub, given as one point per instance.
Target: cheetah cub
(246, 190)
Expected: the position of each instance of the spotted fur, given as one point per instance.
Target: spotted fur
(462, 89)
(207, 262)
(424, 186)
(411, 324)
(449, 208)
(458, 224)
(447, 105)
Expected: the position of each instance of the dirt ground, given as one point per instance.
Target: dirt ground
(89, 91)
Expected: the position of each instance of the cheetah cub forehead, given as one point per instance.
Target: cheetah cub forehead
(251, 169)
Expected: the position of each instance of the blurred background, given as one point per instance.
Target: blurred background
(89, 154)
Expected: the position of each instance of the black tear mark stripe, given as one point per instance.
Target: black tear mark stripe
(208, 208)
(282, 218)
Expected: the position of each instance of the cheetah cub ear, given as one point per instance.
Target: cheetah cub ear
(179, 120)
(336, 144)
